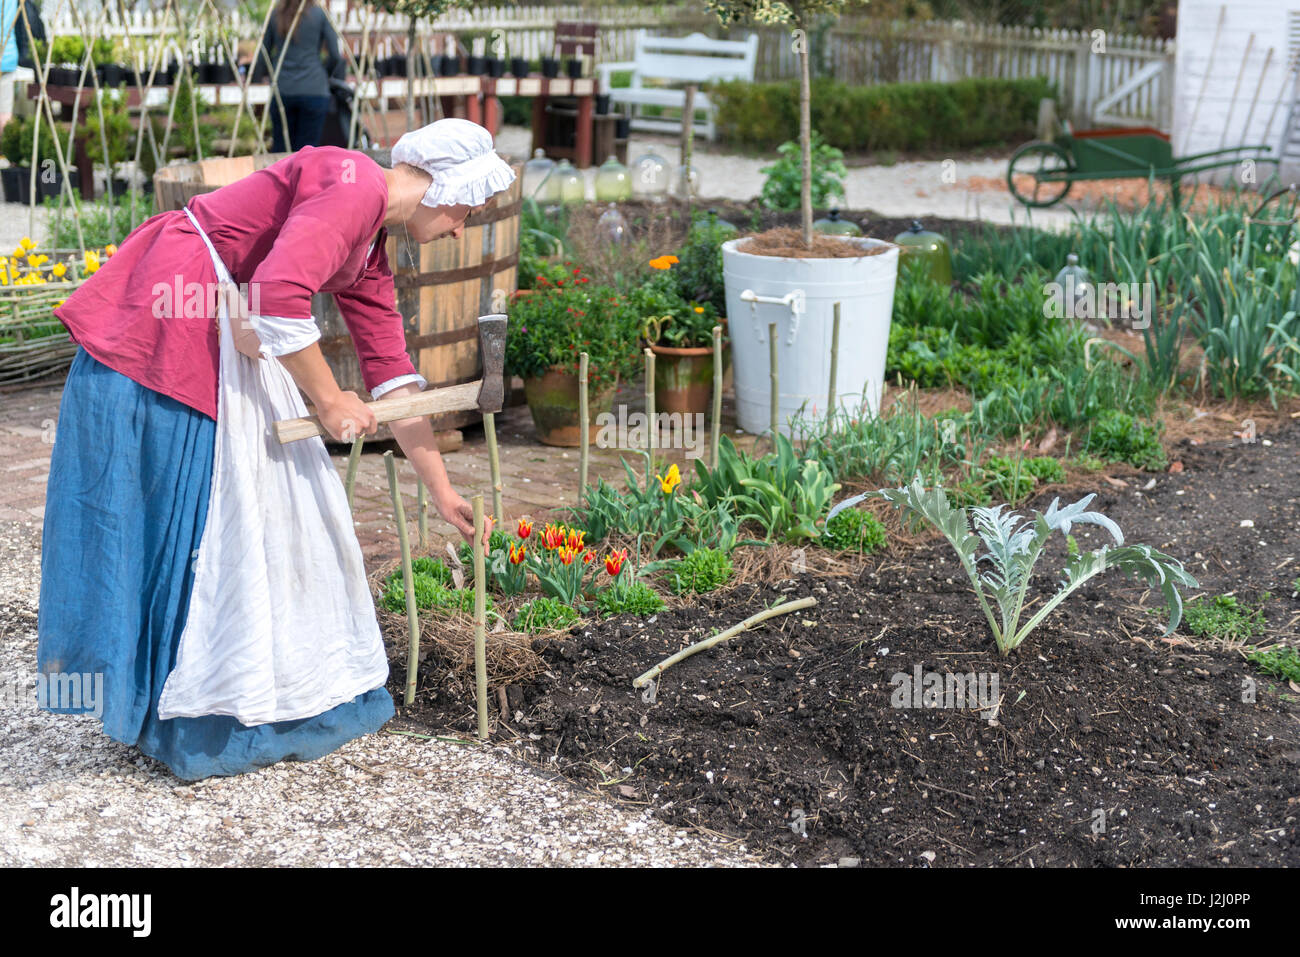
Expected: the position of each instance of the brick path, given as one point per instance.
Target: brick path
(536, 477)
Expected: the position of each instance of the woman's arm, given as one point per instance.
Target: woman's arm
(420, 447)
(343, 414)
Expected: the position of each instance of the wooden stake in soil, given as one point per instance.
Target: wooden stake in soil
(480, 620)
(354, 460)
(412, 613)
(494, 463)
(717, 394)
(422, 513)
(774, 409)
(652, 423)
(832, 397)
(584, 455)
(732, 632)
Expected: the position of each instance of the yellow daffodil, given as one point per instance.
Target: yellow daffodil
(59, 270)
(35, 261)
(26, 243)
(673, 479)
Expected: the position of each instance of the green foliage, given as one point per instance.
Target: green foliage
(1046, 469)
(16, 142)
(1007, 479)
(433, 568)
(1117, 437)
(885, 116)
(782, 188)
(1280, 661)
(1225, 619)
(669, 319)
(1012, 548)
(854, 530)
(636, 598)
(101, 223)
(498, 542)
(431, 592)
(116, 128)
(544, 614)
(699, 268)
(703, 570)
(67, 51)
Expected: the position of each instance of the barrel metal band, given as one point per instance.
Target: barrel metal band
(448, 276)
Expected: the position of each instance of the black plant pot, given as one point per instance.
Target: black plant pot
(477, 65)
(574, 69)
(519, 67)
(496, 67)
(111, 75)
(602, 104)
(17, 181)
(163, 77)
(449, 65)
(550, 67)
(52, 189)
(224, 74)
(120, 186)
(622, 128)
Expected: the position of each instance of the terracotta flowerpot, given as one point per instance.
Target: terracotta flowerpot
(553, 401)
(683, 379)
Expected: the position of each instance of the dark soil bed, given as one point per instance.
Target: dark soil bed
(1110, 746)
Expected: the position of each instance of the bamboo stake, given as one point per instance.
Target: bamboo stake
(1254, 100)
(480, 620)
(584, 457)
(732, 632)
(1236, 88)
(354, 460)
(494, 463)
(412, 612)
(1209, 67)
(832, 397)
(717, 394)
(652, 420)
(422, 513)
(774, 413)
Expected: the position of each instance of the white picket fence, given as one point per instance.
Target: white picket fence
(1102, 79)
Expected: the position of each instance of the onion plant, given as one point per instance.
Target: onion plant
(1001, 575)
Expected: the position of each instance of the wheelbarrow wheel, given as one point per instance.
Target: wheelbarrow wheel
(1029, 164)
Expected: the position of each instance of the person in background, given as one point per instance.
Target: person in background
(304, 81)
(8, 57)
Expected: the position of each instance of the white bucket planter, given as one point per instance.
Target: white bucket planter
(799, 295)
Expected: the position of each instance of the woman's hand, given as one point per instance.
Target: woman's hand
(452, 507)
(345, 417)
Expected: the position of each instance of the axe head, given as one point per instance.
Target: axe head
(492, 352)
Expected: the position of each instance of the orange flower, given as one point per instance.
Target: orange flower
(517, 553)
(574, 539)
(588, 556)
(553, 536)
(525, 528)
(567, 555)
(110, 249)
(614, 562)
(663, 262)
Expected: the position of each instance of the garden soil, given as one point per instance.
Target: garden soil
(1110, 746)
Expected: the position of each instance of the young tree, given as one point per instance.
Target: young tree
(416, 10)
(800, 14)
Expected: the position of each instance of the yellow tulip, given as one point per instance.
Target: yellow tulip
(673, 479)
(59, 270)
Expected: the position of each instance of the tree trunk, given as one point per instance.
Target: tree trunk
(805, 139)
(410, 75)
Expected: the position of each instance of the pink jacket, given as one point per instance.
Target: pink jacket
(300, 226)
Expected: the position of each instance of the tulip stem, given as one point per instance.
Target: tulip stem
(412, 612)
(584, 456)
(480, 620)
(722, 636)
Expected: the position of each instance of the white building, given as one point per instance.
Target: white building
(1235, 78)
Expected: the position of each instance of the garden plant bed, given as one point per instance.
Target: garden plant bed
(1097, 713)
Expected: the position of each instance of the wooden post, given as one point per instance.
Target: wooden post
(480, 620)
(422, 513)
(652, 423)
(584, 457)
(494, 463)
(832, 397)
(412, 613)
(354, 460)
(774, 414)
(717, 394)
(688, 145)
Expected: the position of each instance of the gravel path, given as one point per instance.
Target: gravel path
(69, 796)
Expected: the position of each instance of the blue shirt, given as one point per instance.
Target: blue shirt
(9, 30)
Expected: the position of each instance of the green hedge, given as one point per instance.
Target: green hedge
(889, 116)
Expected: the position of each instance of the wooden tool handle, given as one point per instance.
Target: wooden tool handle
(456, 398)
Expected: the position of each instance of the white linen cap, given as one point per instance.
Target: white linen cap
(460, 157)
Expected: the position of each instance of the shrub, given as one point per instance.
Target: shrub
(1117, 437)
(886, 116)
(637, 598)
(781, 189)
(854, 530)
(544, 614)
(701, 571)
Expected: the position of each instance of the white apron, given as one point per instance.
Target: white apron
(281, 622)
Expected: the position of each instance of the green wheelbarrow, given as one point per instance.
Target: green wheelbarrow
(1041, 173)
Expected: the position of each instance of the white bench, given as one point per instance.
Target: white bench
(678, 60)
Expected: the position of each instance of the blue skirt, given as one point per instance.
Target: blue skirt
(127, 499)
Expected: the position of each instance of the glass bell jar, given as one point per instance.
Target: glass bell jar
(612, 225)
(650, 178)
(833, 225)
(613, 182)
(535, 172)
(686, 182)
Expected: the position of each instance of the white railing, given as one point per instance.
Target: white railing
(1130, 78)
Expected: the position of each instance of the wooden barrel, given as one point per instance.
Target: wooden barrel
(442, 287)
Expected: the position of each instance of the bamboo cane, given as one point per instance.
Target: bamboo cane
(717, 394)
(1236, 87)
(652, 420)
(354, 460)
(832, 397)
(584, 456)
(732, 632)
(422, 513)
(494, 463)
(412, 612)
(774, 409)
(480, 620)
